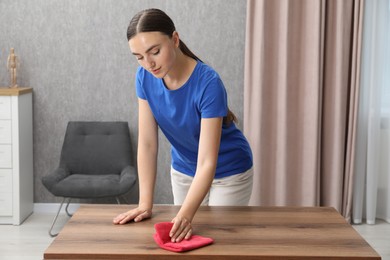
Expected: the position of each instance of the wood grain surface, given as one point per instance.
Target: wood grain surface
(5, 91)
(238, 232)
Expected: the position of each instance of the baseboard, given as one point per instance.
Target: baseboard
(52, 208)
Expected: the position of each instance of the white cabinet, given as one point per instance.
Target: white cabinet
(16, 155)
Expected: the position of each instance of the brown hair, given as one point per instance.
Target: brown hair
(155, 20)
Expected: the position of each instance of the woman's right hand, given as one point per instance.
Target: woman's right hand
(137, 214)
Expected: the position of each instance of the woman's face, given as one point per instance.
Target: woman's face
(155, 52)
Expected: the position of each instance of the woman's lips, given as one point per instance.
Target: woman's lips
(156, 71)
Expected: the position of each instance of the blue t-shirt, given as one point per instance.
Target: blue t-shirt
(179, 112)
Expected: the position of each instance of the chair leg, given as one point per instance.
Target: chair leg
(66, 208)
(55, 218)
(124, 198)
(119, 202)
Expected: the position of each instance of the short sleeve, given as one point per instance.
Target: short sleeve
(214, 100)
(139, 83)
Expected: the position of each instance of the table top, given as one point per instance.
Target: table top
(5, 91)
(238, 233)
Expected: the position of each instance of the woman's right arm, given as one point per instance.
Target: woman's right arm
(147, 165)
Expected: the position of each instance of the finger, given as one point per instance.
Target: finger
(183, 228)
(189, 234)
(115, 220)
(174, 229)
(127, 217)
(183, 234)
(141, 216)
(118, 218)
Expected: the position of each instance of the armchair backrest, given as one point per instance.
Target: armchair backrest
(96, 148)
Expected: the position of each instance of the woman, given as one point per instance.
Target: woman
(211, 159)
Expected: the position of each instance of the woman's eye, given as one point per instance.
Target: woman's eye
(156, 52)
(139, 58)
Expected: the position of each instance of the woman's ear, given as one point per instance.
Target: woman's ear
(176, 39)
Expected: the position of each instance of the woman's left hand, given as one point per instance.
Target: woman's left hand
(181, 229)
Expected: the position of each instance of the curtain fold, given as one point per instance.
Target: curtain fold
(372, 182)
(300, 100)
(351, 144)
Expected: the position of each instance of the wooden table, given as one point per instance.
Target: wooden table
(238, 232)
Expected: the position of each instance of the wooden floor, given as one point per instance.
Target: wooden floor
(30, 240)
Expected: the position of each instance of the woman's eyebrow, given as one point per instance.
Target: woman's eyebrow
(148, 50)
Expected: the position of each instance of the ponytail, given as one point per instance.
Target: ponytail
(229, 118)
(186, 51)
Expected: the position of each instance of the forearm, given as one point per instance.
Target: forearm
(147, 159)
(206, 165)
(147, 153)
(199, 188)
(147, 168)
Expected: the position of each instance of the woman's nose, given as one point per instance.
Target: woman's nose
(150, 63)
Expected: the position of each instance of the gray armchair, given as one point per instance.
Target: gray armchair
(95, 162)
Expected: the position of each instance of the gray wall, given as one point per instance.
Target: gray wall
(75, 56)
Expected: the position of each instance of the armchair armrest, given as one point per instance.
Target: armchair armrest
(50, 180)
(128, 177)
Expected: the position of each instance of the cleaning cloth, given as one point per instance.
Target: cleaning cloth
(163, 239)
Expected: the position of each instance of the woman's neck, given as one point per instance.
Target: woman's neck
(180, 72)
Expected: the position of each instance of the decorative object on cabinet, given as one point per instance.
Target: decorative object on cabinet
(16, 155)
(12, 66)
(95, 162)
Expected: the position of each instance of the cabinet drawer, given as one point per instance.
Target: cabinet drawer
(5, 156)
(5, 107)
(5, 132)
(5, 204)
(5, 192)
(5, 180)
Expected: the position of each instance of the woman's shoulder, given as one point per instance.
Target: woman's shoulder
(140, 71)
(206, 72)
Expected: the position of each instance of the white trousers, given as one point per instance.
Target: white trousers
(233, 190)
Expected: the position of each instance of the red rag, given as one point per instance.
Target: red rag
(163, 239)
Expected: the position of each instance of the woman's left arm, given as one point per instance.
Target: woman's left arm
(209, 141)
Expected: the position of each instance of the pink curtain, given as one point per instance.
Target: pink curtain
(302, 62)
